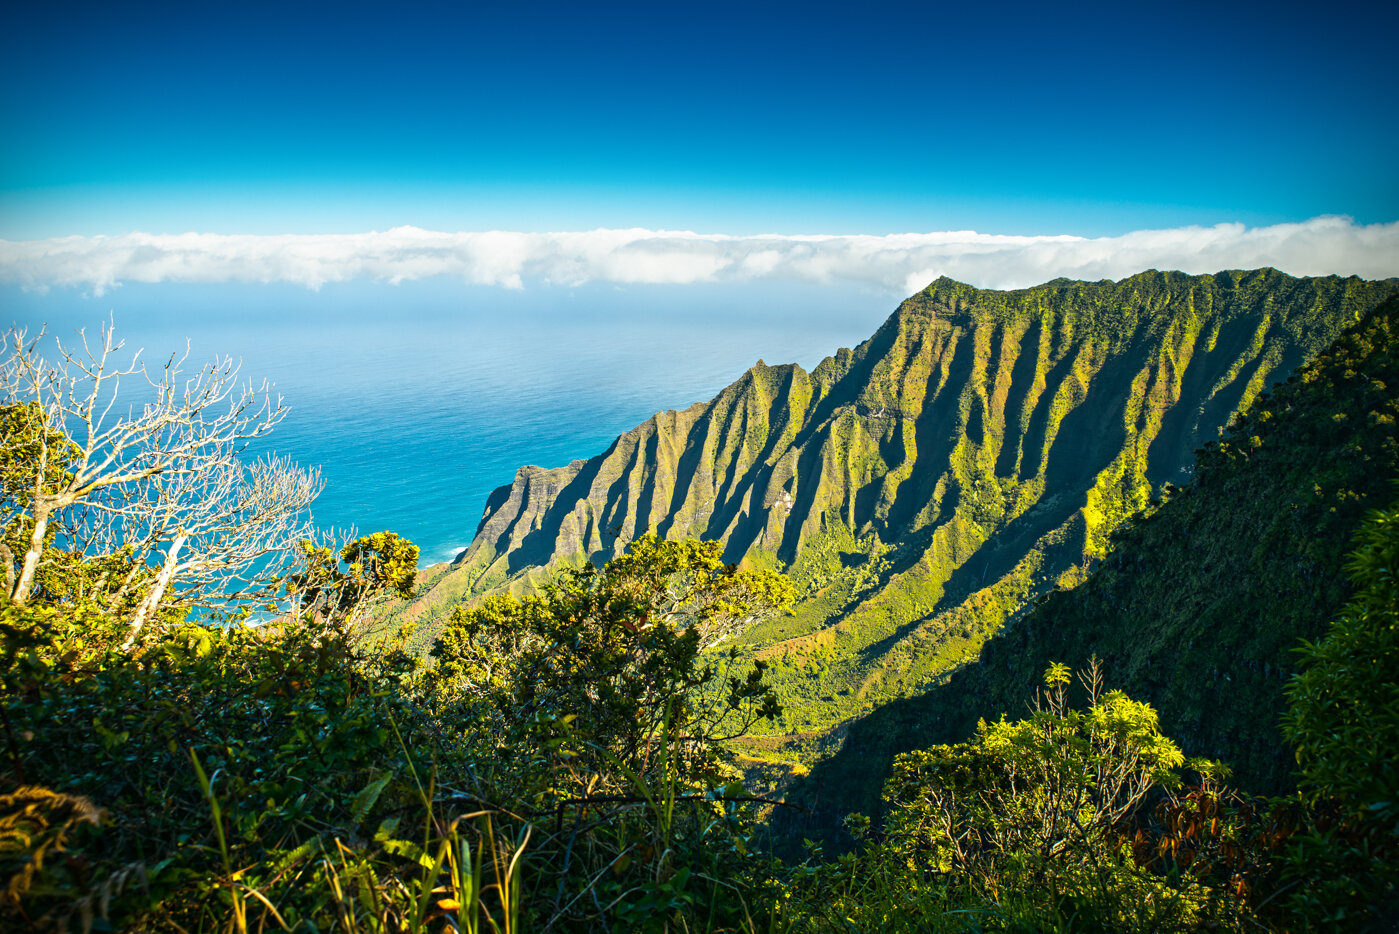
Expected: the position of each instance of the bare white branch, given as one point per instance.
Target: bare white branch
(161, 481)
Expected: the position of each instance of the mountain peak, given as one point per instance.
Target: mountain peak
(922, 488)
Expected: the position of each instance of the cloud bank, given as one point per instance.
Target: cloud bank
(897, 263)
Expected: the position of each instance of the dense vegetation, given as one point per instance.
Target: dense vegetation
(559, 765)
(260, 757)
(1199, 605)
(921, 490)
(283, 778)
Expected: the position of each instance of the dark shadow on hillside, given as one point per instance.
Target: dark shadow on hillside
(686, 468)
(1022, 379)
(993, 560)
(935, 437)
(842, 394)
(645, 499)
(537, 547)
(1094, 432)
(1032, 452)
(1181, 429)
(499, 496)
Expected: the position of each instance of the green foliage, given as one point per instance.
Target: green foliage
(1198, 605)
(291, 776)
(1344, 721)
(607, 662)
(36, 824)
(33, 458)
(23, 428)
(592, 709)
(976, 452)
(1055, 783)
(1344, 717)
(591, 704)
(1027, 827)
(289, 722)
(337, 586)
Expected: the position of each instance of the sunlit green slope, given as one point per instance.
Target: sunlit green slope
(1199, 605)
(924, 488)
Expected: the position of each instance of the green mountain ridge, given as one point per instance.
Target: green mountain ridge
(1200, 604)
(975, 452)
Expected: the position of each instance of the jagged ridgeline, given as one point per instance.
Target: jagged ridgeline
(1200, 604)
(924, 488)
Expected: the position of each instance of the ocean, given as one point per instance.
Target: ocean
(416, 400)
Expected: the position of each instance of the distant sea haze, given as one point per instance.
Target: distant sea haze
(417, 400)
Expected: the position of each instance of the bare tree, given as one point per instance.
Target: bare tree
(162, 477)
(211, 528)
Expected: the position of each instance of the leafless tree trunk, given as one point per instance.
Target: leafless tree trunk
(215, 525)
(151, 600)
(161, 478)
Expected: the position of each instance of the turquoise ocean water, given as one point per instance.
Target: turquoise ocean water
(417, 400)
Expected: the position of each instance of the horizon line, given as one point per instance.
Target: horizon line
(899, 263)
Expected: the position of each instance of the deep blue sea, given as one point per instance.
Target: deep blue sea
(417, 400)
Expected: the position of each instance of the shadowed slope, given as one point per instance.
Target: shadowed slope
(1199, 605)
(923, 488)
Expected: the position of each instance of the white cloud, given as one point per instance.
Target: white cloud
(898, 263)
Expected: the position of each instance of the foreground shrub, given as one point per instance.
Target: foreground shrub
(560, 766)
(1344, 721)
(1030, 826)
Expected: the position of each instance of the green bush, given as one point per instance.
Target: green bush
(599, 714)
(561, 764)
(1344, 721)
(1027, 827)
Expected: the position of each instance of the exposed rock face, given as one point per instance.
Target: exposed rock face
(923, 488)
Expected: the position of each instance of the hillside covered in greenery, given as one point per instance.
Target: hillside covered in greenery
(1201, 601)
(925, 488)
(203, 730)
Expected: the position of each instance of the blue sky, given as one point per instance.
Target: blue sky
(246, 174)
(1096, 120)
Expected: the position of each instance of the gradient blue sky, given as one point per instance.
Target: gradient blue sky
(1092, 119)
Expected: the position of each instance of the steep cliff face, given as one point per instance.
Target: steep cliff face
(925, 487)
(1199, 605)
